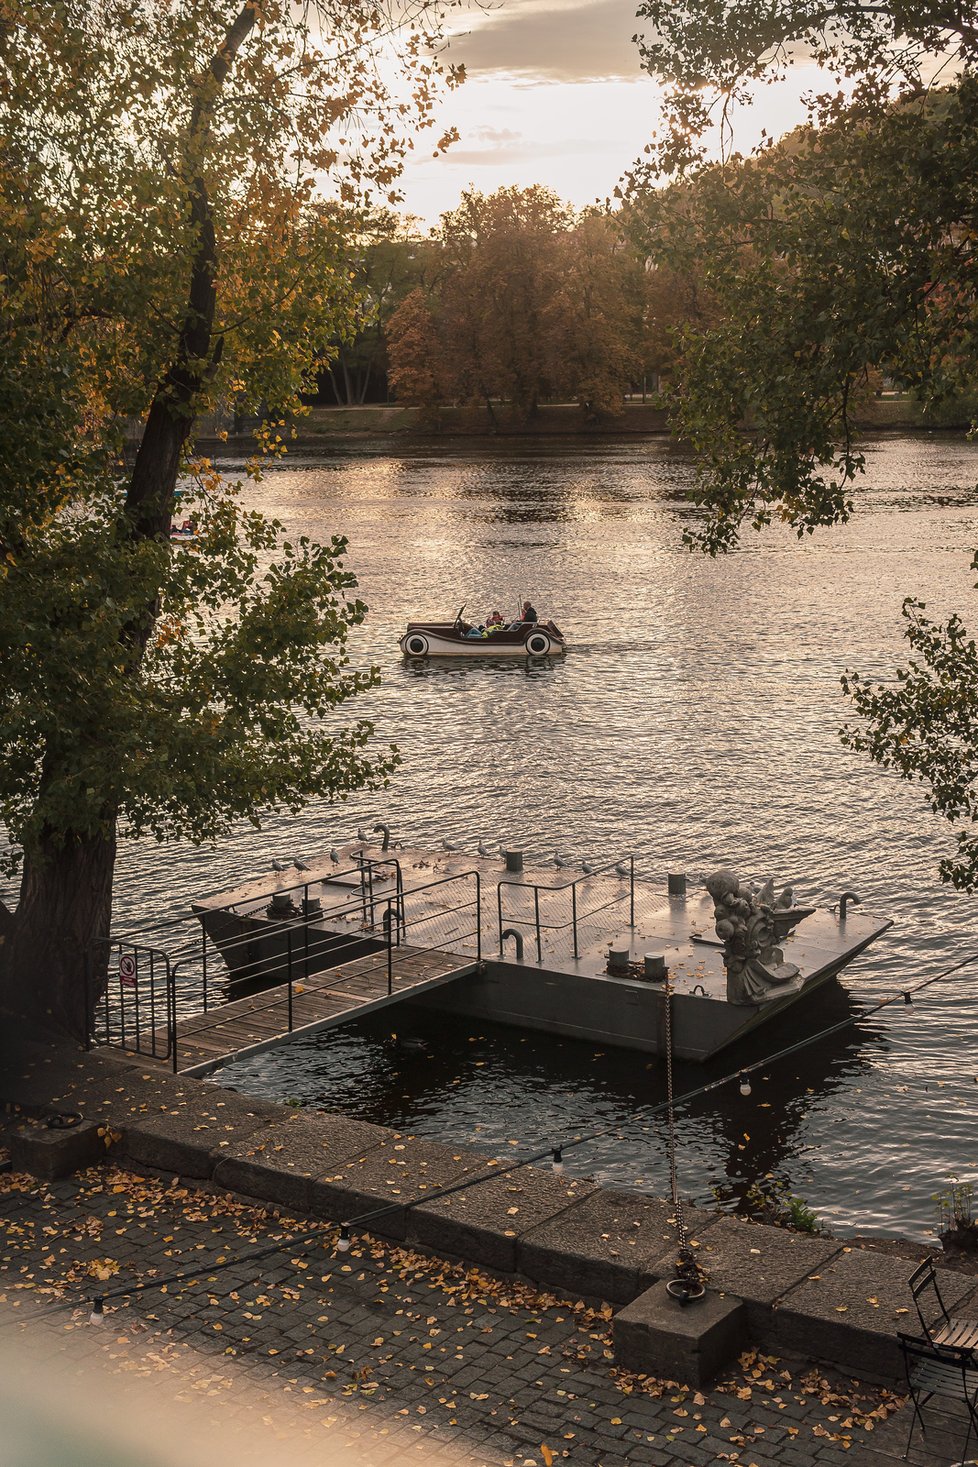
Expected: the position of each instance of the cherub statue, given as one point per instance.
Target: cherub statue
(749, 923)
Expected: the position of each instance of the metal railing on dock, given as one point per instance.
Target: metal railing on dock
(153, 996)
(575, 919)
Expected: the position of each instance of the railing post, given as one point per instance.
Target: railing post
(536, 911)
(631, 894)
(203, 958)
(152, 1003)
(306, 919)
(171, 1003)
(401, 911)
(574, 915)
(478, 918)
(288, 951)
(363, 885)
(499, 912)
(388, 923)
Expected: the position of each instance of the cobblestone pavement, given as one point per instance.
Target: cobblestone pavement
(391, 1350)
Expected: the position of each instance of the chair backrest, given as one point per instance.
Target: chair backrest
(939, 1370)
(926, 1293)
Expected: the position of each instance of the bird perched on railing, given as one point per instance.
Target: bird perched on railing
(280, 866)
(449, 845)
(623, 868)
(483, 849)
(587, 868)
(362, 835)
(334, 856)
(300, 864)
(560, 861)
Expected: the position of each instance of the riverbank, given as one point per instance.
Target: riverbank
(819, 1297)
(320, 424)
(552, 420)
(383, 1356)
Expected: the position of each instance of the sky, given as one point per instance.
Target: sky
(555, 95)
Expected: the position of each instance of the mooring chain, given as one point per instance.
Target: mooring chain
(671, 1122)
(688, 1272)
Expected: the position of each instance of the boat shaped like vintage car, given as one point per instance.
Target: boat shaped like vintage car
(460, 638)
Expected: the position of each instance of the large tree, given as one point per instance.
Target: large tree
(390, 260)
(528, 302)
(844, 251)
(166, 247)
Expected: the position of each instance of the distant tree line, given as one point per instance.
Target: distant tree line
(514, 301)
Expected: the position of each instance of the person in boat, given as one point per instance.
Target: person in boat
(529, 613)
(494, 619)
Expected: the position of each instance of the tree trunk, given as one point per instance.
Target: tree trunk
(65, 903)
(48, 981)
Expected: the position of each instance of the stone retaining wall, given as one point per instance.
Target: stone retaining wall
(815, 1296)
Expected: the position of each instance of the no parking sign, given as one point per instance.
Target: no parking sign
(127, 971)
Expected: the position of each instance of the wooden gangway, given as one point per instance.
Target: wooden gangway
(201, 1042)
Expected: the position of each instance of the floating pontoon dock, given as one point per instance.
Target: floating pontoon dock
(308, 949)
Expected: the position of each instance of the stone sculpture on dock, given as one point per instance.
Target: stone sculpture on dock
(750, 923)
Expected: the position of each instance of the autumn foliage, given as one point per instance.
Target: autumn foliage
(167, 246)
(530, 302)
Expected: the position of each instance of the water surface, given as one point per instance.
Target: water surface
(695, 720)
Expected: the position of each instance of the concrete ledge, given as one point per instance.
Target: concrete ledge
(756, 1263)
(602, 1246)
(54, 1153)
(838, 1305)
(848, 1312)
(386, 1179)
(485, 1223)
(655, 1335)
(278, 1163)
(189, 1140)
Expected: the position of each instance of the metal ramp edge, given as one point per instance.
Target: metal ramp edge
(464, 969)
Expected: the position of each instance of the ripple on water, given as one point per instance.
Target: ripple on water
(695, 719)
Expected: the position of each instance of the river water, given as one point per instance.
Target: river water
(695, 719)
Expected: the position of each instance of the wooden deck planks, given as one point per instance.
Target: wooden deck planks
(261, 1020)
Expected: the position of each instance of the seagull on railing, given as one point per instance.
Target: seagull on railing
(449, 845)
(587, 868)
(483, 849)
(560, 861)
(623, 868)
(334, 856)
(300, 864)
(280, 866)
(362, 835)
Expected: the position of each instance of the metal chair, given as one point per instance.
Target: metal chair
(939, 1327)
(939, 1370)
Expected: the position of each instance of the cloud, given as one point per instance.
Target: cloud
(518, 151)
(557, 42)
(495, 135)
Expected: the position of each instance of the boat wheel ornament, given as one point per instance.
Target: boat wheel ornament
(417, 645)
(538, 643)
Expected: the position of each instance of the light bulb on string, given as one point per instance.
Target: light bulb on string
(558, 1160)
(97, 1315)
(343, 1241)
(745, 1085)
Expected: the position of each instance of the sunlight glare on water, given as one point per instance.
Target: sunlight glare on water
(695, 719)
